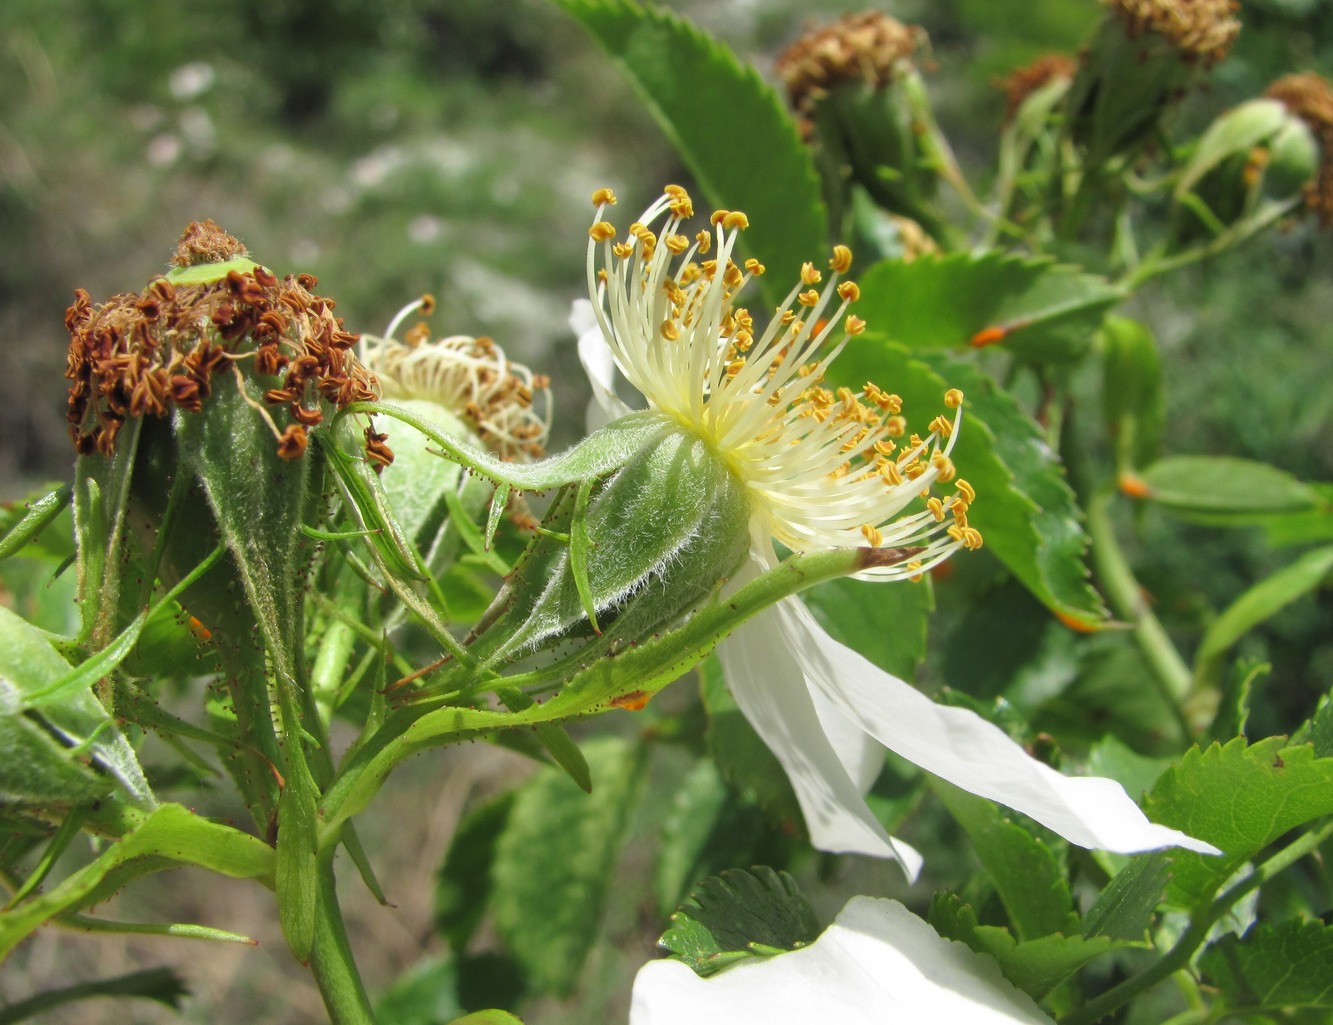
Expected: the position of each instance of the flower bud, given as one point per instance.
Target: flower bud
(862, 104)
(1140, 60)
(1309, 97)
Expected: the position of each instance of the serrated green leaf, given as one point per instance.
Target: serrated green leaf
(463, 886)
(1028, 877)
(1037, 309)
(554, 863)
(1255, 605)
(1025, 509)
(727, 917)
(719, 114)
(1222, 489)
(1239, 798)
(1036, 966)
(1274, 966)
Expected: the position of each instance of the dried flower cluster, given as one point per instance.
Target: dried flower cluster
(1310, 98)
(470, 377)
(1201, 30)
(161, 349)
(869, 46)
(1020, 84)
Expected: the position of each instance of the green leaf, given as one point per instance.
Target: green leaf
(1255, 605)
(1025, 509)
(1027, 875)
(425, 994)
(489, 1017)
(553, 738)
(1124, 910)
(1239, 798)
(463, 887)
(727, 124)
(1303, 527)
(555, 861)
(172, 835)
(1036, 966)
(696, 806)
(1274, 966)
(50, 718)
(1037, 309)
(38, 515)
(297, 870)
(1225, 489)
(734, 915)
(162, 985)
(1133, 398)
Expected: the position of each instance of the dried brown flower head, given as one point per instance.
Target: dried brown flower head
(1201, 30)
(165, 347)
(1020, 84)
(869, 46)
(1310, 98)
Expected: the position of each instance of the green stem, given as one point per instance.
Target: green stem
(1125, 596)
(1201, 922)
(331, 960)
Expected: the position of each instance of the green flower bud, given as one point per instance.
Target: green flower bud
(1141, 59)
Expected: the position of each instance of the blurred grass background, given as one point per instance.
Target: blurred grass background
(451, 146)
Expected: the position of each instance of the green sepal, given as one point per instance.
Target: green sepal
(204, 273)
(296, 870)
(40, 514)
(1133, 399)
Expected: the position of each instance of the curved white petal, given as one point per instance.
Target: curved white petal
(876, 963)
(766, 679)
(961, 747)
(600, 366)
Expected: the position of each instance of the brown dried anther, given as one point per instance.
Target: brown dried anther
(1020, 84)
(1201, 30)
(159, 350)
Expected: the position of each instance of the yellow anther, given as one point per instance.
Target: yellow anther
(965, 489)
(854, 325)
(754, 266)
(808, 298)
(972, 538)
(953, 398)
(735, 367)
(916, 574)
(810, 276)
(743, 340)
(850, 291)
(942, 426)
(788, 316)
(682, 208)
(936, 508)
(885, 448)
(670, 331)
(735, 221)
(677, 243)
(709, 269)
(894, 426)
(889, 471)
(704, 240)
(675, 192)
(914, 469)
(622, 249)
(603, 197)
(602, 231)
(733, 277)
(718, 216)
(841, 262)
(955, 531)
(841, 471)
(872, 535)
(944, 468)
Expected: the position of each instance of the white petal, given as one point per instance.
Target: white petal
(961, 747)
(767, 682)
(600, 366)
(876, 963)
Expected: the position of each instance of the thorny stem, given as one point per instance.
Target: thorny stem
(1201, 921)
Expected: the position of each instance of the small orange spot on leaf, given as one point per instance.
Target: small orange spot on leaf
(634, 701)
(1075, 623)
(1134, 487)
(988, 336)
